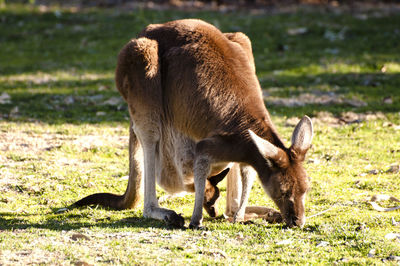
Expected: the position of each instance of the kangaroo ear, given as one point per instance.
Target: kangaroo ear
(302, 136)
(269, 151)
(266, 148)
(214, 180)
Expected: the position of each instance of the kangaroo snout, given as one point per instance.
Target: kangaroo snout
(293, 221)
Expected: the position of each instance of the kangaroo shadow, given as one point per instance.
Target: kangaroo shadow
(72, 221)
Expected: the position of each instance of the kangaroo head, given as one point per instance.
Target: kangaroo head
(211, 193)
(283, 176)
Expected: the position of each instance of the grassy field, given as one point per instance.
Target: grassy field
(63, 135)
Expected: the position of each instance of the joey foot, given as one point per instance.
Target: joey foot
(273, 217)
(270, 215)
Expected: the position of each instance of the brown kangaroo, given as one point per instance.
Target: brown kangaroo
(196, 107)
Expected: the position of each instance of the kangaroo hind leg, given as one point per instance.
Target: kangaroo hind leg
(138, 79)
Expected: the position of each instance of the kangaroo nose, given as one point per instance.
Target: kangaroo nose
(295, 221)
(290, 222)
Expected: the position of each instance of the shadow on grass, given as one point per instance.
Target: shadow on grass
(70, 221)
(30, 84)
(61, 222)
(371, 81)
(51, 106)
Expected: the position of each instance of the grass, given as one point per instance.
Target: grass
(60, 140)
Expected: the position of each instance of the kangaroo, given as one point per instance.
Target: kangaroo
(197, 110)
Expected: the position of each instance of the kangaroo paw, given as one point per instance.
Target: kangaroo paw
(197, 227)
(174, 220)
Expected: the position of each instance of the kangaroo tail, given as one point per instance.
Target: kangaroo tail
(132, 195)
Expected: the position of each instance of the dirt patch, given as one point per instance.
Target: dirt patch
(346, 118)
(21, 149)
(32, 143)
(94, 141)
(319, 98)
(28, 257)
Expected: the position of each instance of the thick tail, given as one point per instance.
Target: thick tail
(103, 199)
(132, 195)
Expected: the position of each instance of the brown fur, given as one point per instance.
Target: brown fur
(193, 96)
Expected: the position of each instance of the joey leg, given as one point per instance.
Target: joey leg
(248, 175)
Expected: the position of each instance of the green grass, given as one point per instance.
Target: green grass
(63, 142)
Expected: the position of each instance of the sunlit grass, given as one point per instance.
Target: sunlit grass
(39, 77)
(340, 68)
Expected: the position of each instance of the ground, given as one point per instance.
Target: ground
(63, 135)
